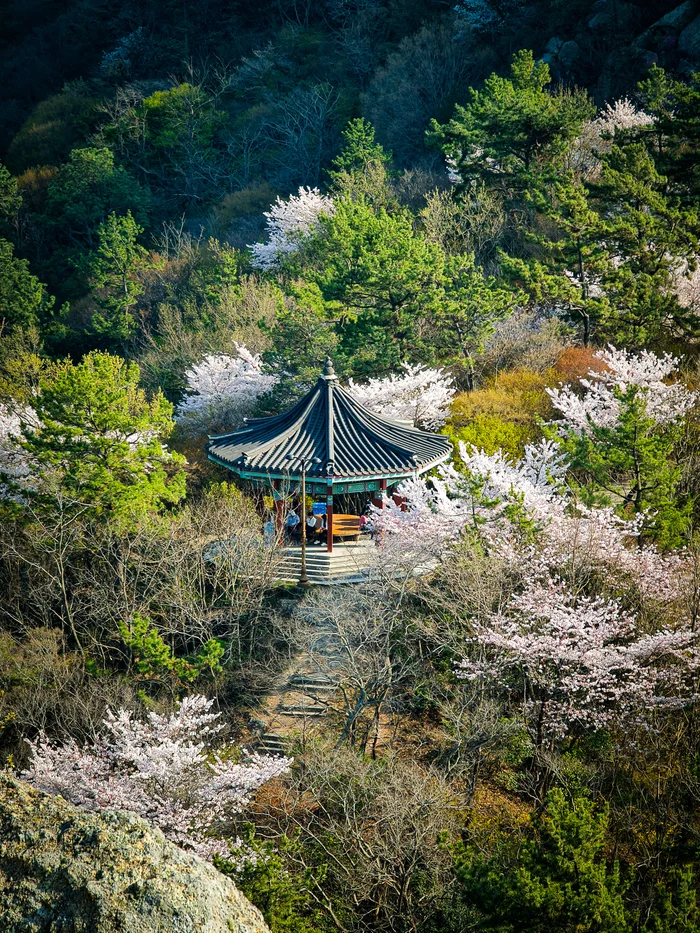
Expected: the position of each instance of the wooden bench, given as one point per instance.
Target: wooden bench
(346, 526)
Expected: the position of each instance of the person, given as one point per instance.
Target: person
(310, 527)
(319, 527)
(366, 522)
(292, 525)
(269, 532)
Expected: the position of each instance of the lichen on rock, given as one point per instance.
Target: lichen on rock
(65, 869)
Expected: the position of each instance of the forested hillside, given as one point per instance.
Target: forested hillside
(488, 216)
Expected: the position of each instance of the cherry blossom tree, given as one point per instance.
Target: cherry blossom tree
(222, 390)
(571, 660)
(600, 404)
(420, 395)
(288, 221)
(598, 135)
(496, 498)
(162, 768)
(15, 464)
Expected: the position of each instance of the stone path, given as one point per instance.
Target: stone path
(301, 695)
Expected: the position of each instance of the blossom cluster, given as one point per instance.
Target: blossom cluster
(288, 221)
(15, 464)
(598, 135)
(223, 389)
(599, 405)
(160, 768)
(576, 659)
(492, 491)
(419, 395)
(621, 115)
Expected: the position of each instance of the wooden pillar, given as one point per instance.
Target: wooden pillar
(400, 501)
(378, 499)
(279, 509)
(329, 518)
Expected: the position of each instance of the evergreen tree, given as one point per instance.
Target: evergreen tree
(652, 241)
(113, 268)
(556, 882)
(630, 464)
(361, 169)
(86, 190)
(96, 448)
(23, 298)
(396, 296)
(10, 198)
(515, 130)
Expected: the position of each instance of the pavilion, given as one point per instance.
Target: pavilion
(346, 448)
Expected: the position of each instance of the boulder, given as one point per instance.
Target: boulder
(677, 19)
(664, 32)
(689, 41)
(568, 54)
(65, 869)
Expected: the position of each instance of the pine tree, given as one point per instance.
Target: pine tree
(114, 268)
(556, 882)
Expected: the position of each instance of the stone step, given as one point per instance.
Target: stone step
(318, 680)
(314, 690)
(301, 709)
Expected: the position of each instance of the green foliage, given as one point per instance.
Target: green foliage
(57, 124)
(491, 433)
(99, 445)
(674, 137)
(360, 148)
(10, 198)
(154, 660)
(303, 333)
(113, 267)
(676, 908)
(361, 168)
(571, 255)
(23, 299)
(557, 881)
(515, 129)
(656, 238)
(267, 880)
(631, 466)
(87, 189)
(396, 296)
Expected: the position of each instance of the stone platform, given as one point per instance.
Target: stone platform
(349, 562)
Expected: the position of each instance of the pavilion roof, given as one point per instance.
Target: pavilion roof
(327, 424)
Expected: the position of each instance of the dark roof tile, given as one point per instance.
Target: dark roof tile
(329, 424)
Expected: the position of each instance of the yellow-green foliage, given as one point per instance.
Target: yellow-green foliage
(491, 433)
(504, 412)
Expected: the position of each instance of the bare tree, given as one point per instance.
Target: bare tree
(377, 826)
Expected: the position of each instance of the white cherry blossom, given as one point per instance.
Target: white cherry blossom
(288, 221)
(223, 389)
(419, 395)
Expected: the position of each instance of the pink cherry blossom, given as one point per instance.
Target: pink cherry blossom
(568, 659)
(162, 768)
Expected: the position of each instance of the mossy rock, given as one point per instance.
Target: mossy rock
(68, 870)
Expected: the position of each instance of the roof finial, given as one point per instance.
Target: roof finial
(328, 368)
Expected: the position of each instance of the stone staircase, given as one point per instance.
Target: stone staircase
(349, 562)
(302, 699)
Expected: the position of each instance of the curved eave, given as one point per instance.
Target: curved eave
(336, 479)
(348, 441)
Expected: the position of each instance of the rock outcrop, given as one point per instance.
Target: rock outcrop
(65, 869)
